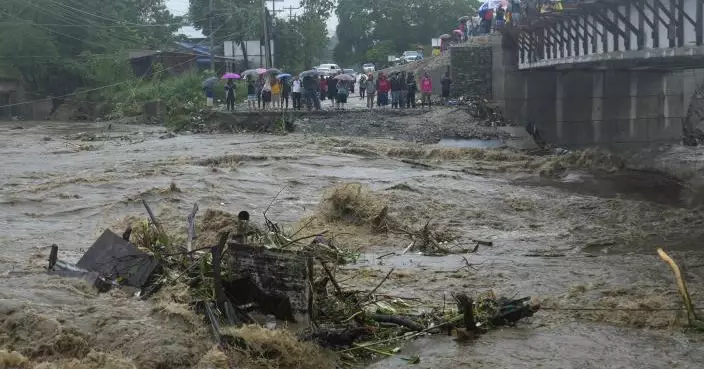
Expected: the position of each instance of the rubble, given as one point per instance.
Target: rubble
(266, 275)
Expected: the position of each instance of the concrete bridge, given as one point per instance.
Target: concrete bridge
(608, 72)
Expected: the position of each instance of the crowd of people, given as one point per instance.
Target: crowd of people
(401, 90)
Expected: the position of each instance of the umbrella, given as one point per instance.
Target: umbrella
(445, 36)
(253, 72)
(344, 77)
(311, 73)
(491, 4)
(209, 82)
(284, 75)
(272, 71)
(463, 18)
(231, 76)
(458, 31)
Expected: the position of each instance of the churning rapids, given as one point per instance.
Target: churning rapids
(574, 240)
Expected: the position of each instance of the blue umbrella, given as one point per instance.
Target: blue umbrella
(283, 75)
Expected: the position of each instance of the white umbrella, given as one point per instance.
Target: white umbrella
(344, 77)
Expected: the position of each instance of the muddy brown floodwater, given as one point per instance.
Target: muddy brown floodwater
(566, 234)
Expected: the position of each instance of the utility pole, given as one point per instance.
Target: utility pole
(290, 11)
(267, 41)
(212, 37)
(267, 46)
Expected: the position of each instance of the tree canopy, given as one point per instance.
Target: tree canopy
(57, 46)
(369, 28)
(299, 42)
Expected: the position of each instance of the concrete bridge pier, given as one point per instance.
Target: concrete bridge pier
(579, 107)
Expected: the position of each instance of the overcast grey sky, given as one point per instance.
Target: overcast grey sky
(180, 7)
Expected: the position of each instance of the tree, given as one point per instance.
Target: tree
(231, 20)
(368, 24)
(57, 46)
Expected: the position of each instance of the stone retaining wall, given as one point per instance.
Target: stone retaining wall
(471, 68)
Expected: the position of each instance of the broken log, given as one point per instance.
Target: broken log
(216, 251)
(398, 320)
(337, 338)
(465, 305)
(53, 256)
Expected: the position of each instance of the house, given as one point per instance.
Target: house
(174, 62)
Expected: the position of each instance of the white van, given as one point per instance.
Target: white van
(329, 69)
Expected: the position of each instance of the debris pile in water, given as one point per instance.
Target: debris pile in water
(247, 277)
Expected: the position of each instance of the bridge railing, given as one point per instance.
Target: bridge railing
(588, 31)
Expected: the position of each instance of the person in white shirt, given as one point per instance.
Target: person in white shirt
(296, 93)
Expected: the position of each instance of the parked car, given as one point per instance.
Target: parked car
(410, 56)
(368, 67)
(351, 72)
(328, 69)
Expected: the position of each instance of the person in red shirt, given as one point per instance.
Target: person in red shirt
(323, 88)
(383, 86)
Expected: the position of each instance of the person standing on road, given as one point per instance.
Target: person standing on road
(296, 93)
(285, 92)
(332, 90)
(382, 89)
(395, 91)
(445, 82)
(426, 86)
(323, 86)
(266, 93)
(362, 85)
(403, 90)
(251, 94)
(276, 92)
(230, 95)
(259, 86)
(310, 86)
(412, 88)
(342, 93)
(370, 87)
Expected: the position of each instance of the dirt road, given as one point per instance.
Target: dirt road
(569, 236)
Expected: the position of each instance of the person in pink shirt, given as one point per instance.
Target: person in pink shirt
(426, 87)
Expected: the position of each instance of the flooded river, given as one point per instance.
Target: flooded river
(580, 240)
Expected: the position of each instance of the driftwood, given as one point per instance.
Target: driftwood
(153, 217)
(191, 224)
(398, 320)
(692, 317)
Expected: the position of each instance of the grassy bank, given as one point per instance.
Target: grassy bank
(182, 95)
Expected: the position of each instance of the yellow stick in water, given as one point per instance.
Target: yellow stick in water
(691, 314)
